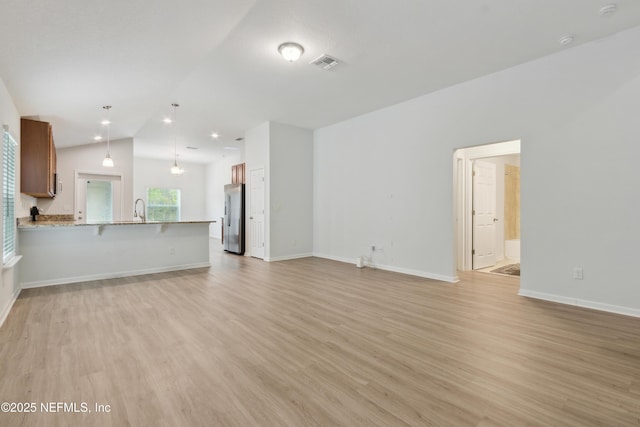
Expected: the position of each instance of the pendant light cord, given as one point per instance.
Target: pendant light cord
(175, 133)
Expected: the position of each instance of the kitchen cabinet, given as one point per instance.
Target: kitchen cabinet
(238, 174)
(38, 163)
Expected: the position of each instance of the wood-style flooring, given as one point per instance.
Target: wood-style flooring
(313, 342)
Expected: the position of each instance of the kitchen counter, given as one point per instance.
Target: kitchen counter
(57, 250)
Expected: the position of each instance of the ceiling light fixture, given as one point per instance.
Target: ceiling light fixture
(167, 120)
(97, 138)
(175, 170)
(608, 10)
(215, 135)
(291, 51)
(107, 162)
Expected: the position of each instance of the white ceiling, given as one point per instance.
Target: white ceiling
(63, 60)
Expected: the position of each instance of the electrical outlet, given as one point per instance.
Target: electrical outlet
(577, 273)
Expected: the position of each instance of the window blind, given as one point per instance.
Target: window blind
(9, 196)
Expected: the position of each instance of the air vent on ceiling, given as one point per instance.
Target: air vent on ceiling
(239, 139)
(325, 62)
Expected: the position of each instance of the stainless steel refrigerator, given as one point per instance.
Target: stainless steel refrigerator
(234, 218)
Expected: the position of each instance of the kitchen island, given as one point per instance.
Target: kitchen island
(57, 252)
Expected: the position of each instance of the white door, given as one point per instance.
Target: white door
(256, 214)
(484, 214)
(97, 198)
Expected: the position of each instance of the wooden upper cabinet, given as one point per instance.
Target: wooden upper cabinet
(237, 174)
(37, 159)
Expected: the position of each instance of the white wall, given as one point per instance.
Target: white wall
(155, 173)
(9, 284)
(88, 158)
(286, 154)
(386, 177)
(217, 175)
(291, 191)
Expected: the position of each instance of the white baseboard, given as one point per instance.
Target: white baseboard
(617, 309)
(287, 257)
(335, 258)
(411, 272)
(88, 278)
(7, 308)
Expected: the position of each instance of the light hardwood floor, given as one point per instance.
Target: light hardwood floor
(313, 342)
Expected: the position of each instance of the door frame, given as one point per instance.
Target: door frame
(249, 216)
(77, 174)
(463, 195)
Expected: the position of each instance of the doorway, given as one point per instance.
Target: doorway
(98, 198)
(487, 207)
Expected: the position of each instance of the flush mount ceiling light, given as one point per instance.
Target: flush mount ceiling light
(608, 10)
(175, 170)
(565, 40)
(107, 162)
(291, 51)
(97, 138)
(215, 135)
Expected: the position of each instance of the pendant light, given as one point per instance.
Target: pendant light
(175, 170)
(108, 161)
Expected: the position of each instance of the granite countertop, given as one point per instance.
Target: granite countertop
(47, 221)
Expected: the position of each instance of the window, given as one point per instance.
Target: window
(163, 204)
(9, 196)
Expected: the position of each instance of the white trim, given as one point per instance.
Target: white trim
(335, 258)
(594, 305)
(411, 272)
(418, 273)
(287, 257)
(7, 308)
(103, 276)
(12, 262)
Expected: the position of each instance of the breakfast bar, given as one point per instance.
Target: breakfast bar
(59, 252)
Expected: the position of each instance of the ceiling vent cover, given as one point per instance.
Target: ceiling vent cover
(325, 62)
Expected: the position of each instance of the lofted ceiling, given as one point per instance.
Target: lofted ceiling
(62, 61)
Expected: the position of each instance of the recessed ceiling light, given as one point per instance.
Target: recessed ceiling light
(291, 51)
(105, 122)
(565, 40)
(97, 138)
(215, 135)
(608, 10)
(167, 120)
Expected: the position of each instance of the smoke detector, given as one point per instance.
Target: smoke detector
(325, 62)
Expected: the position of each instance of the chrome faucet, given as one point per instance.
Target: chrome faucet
(143, 214)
